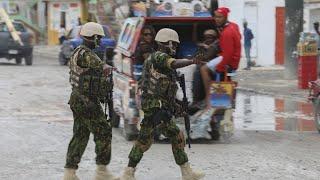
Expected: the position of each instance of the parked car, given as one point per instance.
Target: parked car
(73, 40)
(13, 50)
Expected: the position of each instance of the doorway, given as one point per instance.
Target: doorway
(63, 18)
(251, 16)
(280, 34)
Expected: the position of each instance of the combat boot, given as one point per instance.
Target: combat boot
(128, 174)
(70, 174)
(189, 174)
(102, 173)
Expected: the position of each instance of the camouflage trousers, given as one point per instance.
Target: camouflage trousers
(88, 118)
(145, 140)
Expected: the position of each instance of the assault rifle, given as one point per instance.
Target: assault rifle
(185, 103)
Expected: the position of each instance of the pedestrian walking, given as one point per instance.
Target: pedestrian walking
(146, 45)
(62, 33)
(89, 86)
(159, 87)
(248, 36)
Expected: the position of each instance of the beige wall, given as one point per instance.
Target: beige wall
(73, 10)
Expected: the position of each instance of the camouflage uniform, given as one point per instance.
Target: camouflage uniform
(88, 89)
(159, 88)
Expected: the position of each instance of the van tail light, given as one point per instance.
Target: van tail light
(132, 89)
(132, 83)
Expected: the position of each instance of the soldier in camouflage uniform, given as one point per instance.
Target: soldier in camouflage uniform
(89, 86)
(159, 87)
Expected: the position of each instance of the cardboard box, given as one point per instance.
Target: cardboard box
(307, 48)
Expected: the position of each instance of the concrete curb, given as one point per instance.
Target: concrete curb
(46, 55)
(274, 94)
(49, 52)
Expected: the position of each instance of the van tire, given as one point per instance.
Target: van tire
(130, 137)
(214, 133)
(115, 120)
(130, 131)
(62, 60)
(28, 59)
(18, 60)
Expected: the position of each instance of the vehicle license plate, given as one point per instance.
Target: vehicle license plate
(13, 51)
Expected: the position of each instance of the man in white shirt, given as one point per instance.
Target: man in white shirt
(62, 33)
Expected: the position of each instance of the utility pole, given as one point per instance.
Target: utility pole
(293, 26)
(148, 6)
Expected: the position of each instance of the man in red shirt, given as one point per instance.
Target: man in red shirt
(230, 45)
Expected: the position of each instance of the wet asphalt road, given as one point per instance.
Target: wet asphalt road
(272, 140)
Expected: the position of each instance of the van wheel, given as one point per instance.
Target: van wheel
(130, 137)
(130, 131)
(115, 120)
(215, 134)
(28, 59)
(18, 60)
(62, 60)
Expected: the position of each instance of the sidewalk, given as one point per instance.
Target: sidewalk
(261, 80)
(46, 51)
(270, 81)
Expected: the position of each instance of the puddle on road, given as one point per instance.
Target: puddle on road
(260, 112)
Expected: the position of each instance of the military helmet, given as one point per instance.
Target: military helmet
(91, 28)
(166, 35)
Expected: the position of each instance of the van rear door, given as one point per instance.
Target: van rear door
(129, 36)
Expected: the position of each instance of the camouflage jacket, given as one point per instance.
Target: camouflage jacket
(158, 82)
(86, 73)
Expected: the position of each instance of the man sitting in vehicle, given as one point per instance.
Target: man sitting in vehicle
(209, 48)
(230, 50)
(146, 45)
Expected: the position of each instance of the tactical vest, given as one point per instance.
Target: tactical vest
(156, 85)
(89, 82)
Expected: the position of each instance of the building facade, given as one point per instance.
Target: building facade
(266, 18)
(69, 13)
(311, 14)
